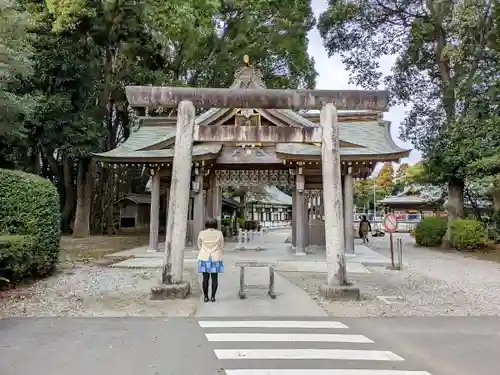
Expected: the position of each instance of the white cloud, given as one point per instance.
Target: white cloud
(334, 76)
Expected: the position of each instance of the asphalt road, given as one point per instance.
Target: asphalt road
(161, 346)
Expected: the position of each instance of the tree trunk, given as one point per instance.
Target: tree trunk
(456, 190)
(496, 200)
(108, 203)
(84, 193)
(70, 196)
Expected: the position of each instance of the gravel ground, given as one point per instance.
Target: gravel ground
(434, 283)
(89, 290)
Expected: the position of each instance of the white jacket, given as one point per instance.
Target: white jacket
(210, 243)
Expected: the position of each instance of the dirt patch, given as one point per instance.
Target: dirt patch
(491, 253)
(94, 248)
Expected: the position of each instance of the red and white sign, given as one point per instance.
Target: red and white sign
(390, 223)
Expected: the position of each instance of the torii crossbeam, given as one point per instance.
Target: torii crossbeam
(170, 97)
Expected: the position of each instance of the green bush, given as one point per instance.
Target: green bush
(241, 222)
(467, 235)
(30, 224)
(430, 231)
(15, 256)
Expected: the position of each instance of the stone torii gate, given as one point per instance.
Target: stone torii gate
(187, 99)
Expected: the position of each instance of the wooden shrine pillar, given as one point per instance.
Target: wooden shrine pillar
(214, 196)
(199, 206)
(154, 212)
(348, 197)
(300, 215)
(218, 206)
(306, 221)
(209, 205)
(294, 218)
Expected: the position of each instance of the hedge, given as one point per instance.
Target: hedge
(468, 235)
(430, 231)
(29, 225)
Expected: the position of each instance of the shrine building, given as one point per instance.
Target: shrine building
(365, 140)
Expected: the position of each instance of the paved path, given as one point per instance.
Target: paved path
(290, 301)
(104, 346)
(262, 346)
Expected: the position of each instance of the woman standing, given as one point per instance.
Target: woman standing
(210, 245)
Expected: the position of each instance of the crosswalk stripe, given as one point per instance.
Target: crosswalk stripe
(287, 337)
(348, 354)
(271, 324)
(323, 372)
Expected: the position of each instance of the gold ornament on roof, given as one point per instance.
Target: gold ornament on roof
(248, 76)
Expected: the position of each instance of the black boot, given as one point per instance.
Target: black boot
(212, 299)
(205, 299)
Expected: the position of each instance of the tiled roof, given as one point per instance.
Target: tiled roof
(373, 138)
(157, 155)
(155, 134)
(230, 201)
(404, 199)
(136, 198)
(273, 195)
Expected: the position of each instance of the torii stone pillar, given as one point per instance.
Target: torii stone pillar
(167, 204)
(167, 200)
(172, 284)
(348, 212)
(154, 212)
(336, 284)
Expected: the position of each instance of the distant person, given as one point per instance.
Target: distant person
(364, 228)
(210, 245)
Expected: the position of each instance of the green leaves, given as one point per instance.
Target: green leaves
(15, 55)
(203, 42)
(445, 70)
(29, 215)
(68, 13)
(83, 53)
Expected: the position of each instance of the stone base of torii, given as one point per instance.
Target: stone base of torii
(336, 285)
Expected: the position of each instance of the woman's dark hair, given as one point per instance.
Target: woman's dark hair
(363, 217)
(211, 224)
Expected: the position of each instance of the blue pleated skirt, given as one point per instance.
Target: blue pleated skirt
(210, 266)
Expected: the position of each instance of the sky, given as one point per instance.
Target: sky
(334, 76)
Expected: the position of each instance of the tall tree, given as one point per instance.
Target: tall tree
(439, 47)
(15, 63)
(401, 170)
(366, 194)
(398, 179)
(484, 114)
(385, 178)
